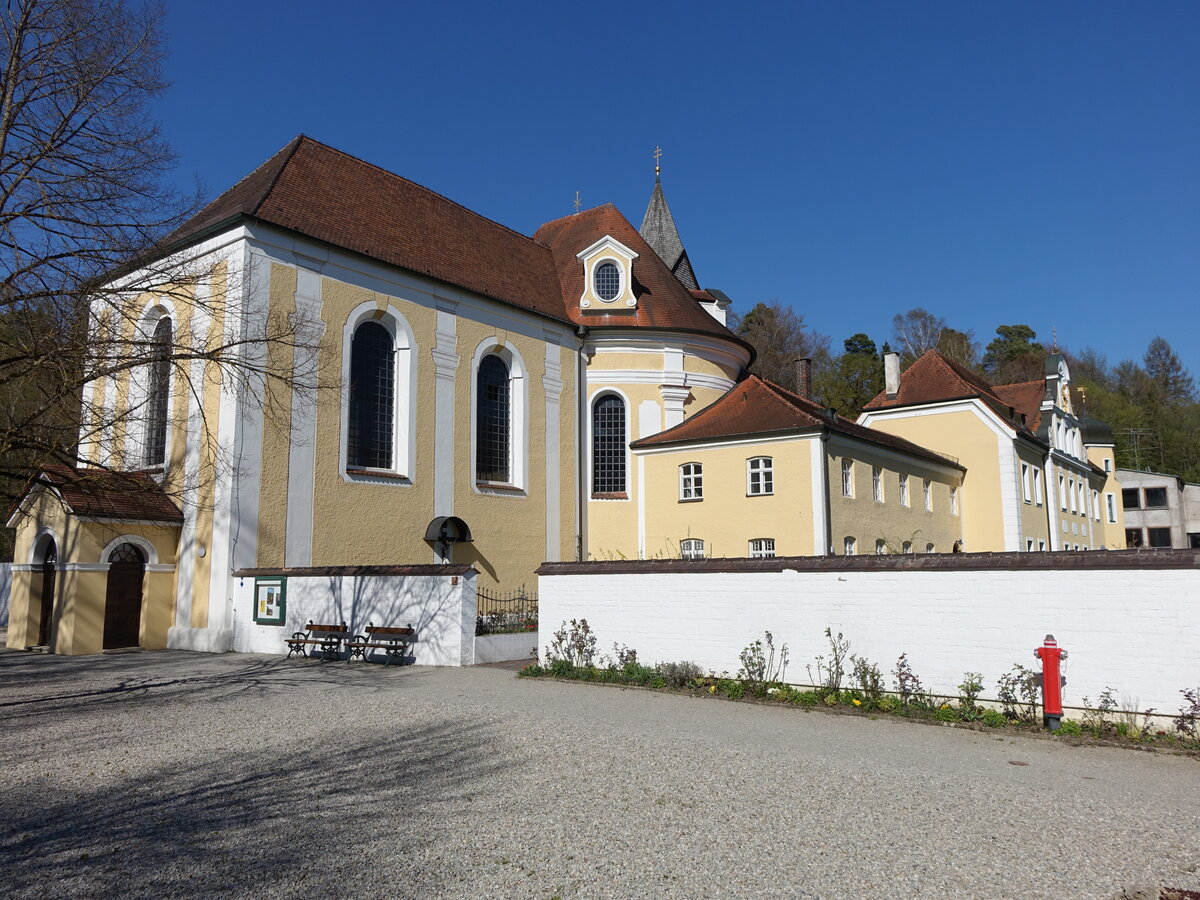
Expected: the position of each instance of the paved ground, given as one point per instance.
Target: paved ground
(160, 774)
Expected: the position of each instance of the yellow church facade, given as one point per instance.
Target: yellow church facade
(403, 383)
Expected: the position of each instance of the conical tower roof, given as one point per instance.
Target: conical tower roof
(658, 229)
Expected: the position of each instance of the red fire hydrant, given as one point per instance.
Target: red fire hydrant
(1052, 681)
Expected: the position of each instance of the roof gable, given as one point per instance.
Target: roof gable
(103, 494)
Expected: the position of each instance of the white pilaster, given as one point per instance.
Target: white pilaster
(552, 385)
(303, 436)
(445, 362)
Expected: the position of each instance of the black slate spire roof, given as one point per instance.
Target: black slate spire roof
(658, 228)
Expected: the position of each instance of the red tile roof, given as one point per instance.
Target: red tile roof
(934, 378)
(663, 301)
(101, 494)
(330, 196)
(1026, 398)
(757, 407)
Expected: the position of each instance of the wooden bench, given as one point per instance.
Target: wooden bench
(328, 637)
(395, 642)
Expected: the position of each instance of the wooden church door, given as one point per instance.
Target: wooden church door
(123, 603)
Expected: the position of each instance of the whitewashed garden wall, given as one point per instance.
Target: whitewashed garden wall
(437, 601)
(1129, 620)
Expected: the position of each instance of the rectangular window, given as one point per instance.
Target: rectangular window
(877, 483)
(760, 476)
(880, 547)
(1071, 495)
(1107, 465)
(1130, 498)
(1159, 537)
(1156, 498)
(1025, 485)
(1096, 505)
(847, 477)
(953, 501)
(1042, 545)
(762, 548)
(850, 546)
(1194, 540)
(691, 482)
(1062, 492)
(691, 548)
(904, 489)
(927, 493)
(1133, 537)
(1037, 486)
(907, 547)
(1028, 545)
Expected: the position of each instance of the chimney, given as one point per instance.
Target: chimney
(891, 374)
(804, 377)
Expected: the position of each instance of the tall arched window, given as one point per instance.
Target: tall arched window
(608, 445)
(493, 421)
(370, 439)
(158, 385)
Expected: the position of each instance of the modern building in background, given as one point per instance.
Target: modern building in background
(1161, 511)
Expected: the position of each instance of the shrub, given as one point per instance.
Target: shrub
(908, 685)
(561, 668)
(1187, 723)
(732, 688)
(623, 656)
(679, 674)
(1019, 692)
(968, 692)
(576, 645)
(829, 673)
(1096, 718)
(1069, 728)
(759, 667)
(946, 713)
(868, 680)
(533, 670)
(806, 698)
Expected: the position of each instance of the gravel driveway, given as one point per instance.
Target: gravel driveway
(170, 773)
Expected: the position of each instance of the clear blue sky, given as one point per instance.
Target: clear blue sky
(995, 163)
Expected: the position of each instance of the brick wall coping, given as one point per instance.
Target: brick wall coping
(1068, 561)
(335, 571)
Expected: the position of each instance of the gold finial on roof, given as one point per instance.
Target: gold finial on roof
(657, 158)
(578, 202)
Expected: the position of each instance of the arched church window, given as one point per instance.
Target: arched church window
(371, 436)
(493, 421)
(608, 445)
(154, 452)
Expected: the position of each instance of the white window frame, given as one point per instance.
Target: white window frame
(1028, 545)
(691, 548)
(1111, 505)
(762, 548)
(849, 546)
(953, 500)
(1062, 491)
(904, 501)
(691, 482)
(518, 424)
(847, 477)
(877, 483)
(404, 412)
(880, 547)
(1072, 496)
(1027, 492)
(1037, 486)
(760, 469)
(927, 494)
(906, 547)
(1041, 546)
(930, 548)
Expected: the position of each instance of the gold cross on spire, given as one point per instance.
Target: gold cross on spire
(657, 157)
(578, 201)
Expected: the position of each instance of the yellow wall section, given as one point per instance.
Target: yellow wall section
(273, 489)
(868, 521)
(1035, 522)
(961, 434)
(727, 519)
(1112, 534)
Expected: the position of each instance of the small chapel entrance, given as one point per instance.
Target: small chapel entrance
(49, 561)
(123, 600)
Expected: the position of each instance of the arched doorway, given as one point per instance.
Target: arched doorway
(49, 554)
(123, 601)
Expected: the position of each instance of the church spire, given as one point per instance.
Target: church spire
(658, 230)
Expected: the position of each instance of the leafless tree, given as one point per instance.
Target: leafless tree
(779, 335)
(84, 210)
(915, 332)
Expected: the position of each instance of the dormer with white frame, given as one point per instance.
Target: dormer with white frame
(607, 277)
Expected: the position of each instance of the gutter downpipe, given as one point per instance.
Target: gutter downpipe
(580, 422)
(828, 548)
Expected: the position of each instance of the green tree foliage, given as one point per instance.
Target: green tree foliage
(853, 378)
(1151, 408)
(1013, 356)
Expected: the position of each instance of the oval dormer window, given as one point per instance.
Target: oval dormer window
(608, 281)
